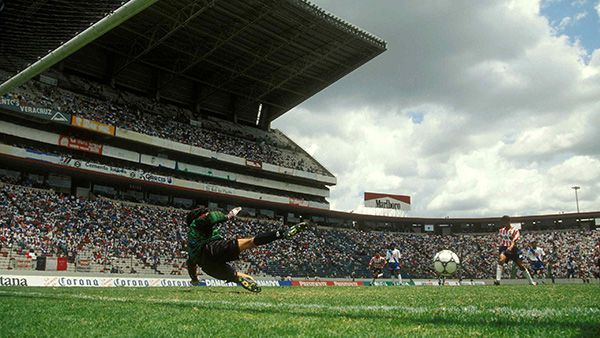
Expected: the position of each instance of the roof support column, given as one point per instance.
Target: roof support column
(197, 103)
(265, 118)
(156, 77)
(233, 116)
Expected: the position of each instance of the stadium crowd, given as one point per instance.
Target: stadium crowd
(166, 121)
(47, 223)
(167, 172)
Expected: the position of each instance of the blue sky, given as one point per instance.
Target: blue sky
(577, 19)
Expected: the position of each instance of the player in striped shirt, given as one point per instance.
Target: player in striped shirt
(509, 236)
(376, 266)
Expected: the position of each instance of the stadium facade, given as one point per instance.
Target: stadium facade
(226, 69)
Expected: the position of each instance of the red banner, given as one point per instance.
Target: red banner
(327, 283)
(61, 264)
(374, 195)
(312, 283)
(348, 283)
(78, 144)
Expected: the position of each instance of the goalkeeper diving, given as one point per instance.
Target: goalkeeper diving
(210, 251)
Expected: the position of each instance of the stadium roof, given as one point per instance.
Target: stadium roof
(229, 56)
(29, 29)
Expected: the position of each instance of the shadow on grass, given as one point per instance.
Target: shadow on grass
(581, 328)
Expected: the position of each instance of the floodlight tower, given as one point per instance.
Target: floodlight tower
(576, 197)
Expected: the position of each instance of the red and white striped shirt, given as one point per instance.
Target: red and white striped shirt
(507, 236)
(377, 262)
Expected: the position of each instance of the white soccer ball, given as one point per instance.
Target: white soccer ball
(445, 262)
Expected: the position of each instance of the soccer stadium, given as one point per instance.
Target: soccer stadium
(145, 192)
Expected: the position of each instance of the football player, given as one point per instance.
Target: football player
(209, 250)
(535, 255)
(552, 264)
(509, 251)
(376, 265)
(393, 258)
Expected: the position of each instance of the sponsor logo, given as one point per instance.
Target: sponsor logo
(426, 283)
(96, 166)
(36, 111)
(71, 281)
(118, 170)
(174, 282)
(78, 144)
(336, 283)
(217, 282)
(131, 282)
(267, 282)
(13, 281)
(93, 125)
(59, 117)
(9, 102)
(471, 283)
(313, 283)
(386, 204)
(154, 178)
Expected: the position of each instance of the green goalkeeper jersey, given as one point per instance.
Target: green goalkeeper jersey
(203, 230)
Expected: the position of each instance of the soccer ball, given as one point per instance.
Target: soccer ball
(445, 262)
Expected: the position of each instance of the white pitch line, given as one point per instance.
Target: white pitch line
(468, 310)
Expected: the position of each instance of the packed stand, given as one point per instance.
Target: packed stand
(165, 121)
(82, 156)
(47, 223)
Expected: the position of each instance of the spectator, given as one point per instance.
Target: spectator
(46, 223)
(165, 121)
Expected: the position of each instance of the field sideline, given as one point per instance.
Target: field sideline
(515, 310)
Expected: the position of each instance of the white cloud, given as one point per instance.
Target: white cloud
(582, 170)
(563, 24)
(597, 8)
(510, 112)
(581, 15)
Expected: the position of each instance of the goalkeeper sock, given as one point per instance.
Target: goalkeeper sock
(268, 237)
(528, 275)
(498, 272)
(192, 270)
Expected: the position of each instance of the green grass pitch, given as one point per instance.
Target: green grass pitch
(518, 310)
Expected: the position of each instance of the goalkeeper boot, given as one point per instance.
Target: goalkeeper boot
(195, 282)
(249, 284)
(296, 228)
